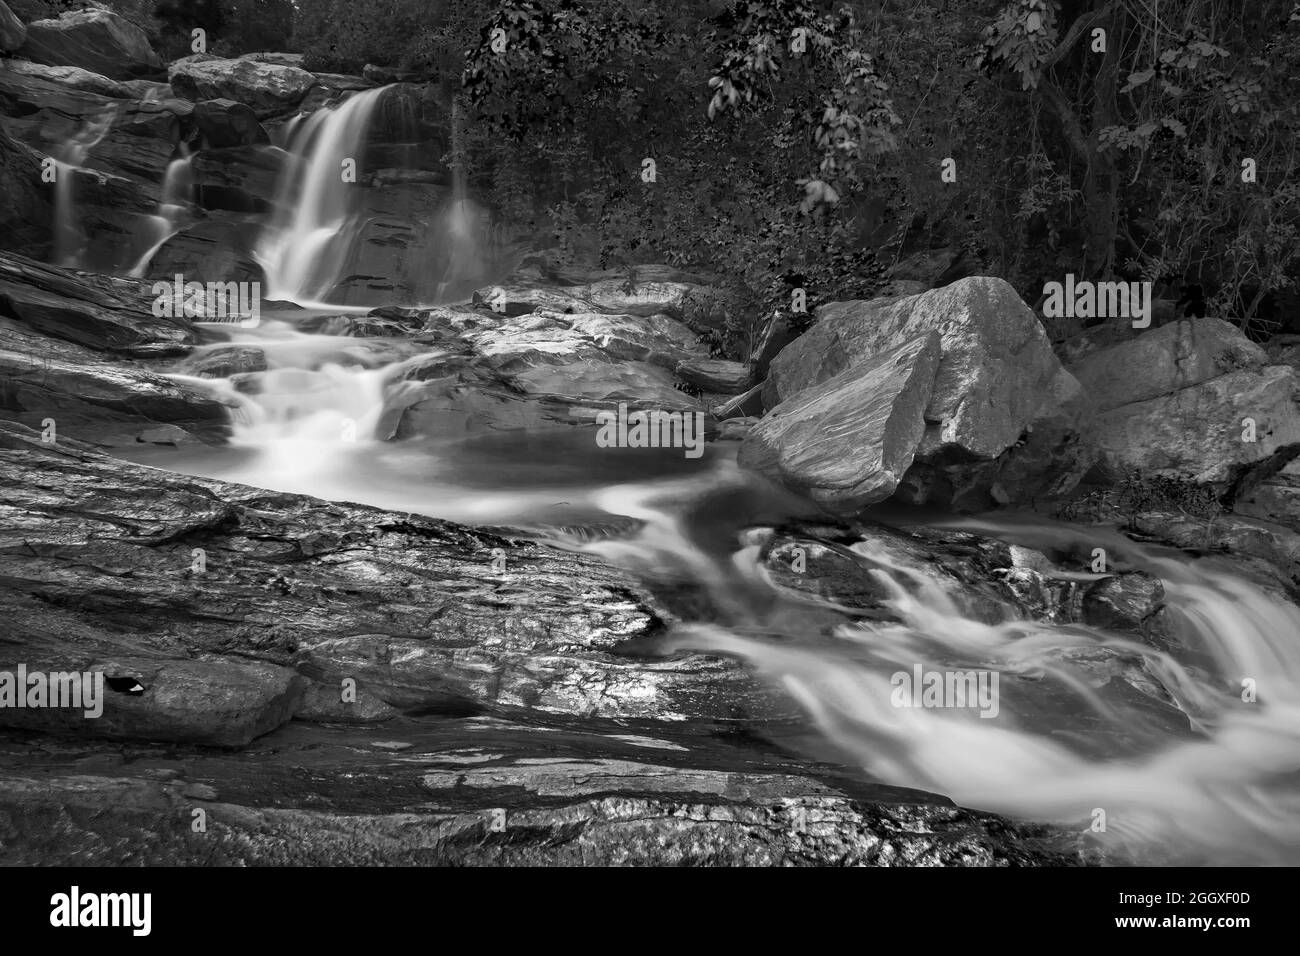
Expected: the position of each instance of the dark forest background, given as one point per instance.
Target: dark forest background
(1115, 155)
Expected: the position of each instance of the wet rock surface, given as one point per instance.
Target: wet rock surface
(847, 441)
(620, 758)
(98, 312)
(483, 792)
(106, 401)
(411, 609)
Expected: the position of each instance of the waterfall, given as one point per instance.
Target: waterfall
(69, 240)
(304, 246)
(462, 223)
(177, 193)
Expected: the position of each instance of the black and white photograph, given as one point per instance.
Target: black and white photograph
(650, 434)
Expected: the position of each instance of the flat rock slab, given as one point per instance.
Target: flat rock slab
(94, 311)
(102, 560)
(108, 402)
(217, 703)
(478, 792)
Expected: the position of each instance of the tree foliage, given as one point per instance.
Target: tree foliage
(801, 141)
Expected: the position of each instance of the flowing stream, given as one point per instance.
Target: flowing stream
(1224, 786)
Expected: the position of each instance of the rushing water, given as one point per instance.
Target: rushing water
(1183, 768)
(177, 192)
(69, 238)
(1228, 790)
(310, 235)
(1225, 786)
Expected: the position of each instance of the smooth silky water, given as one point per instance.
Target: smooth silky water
(1225, 788)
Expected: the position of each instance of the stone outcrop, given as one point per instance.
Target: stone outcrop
(266, 88)
(1185, 400)
(97, 40)
(26, 209)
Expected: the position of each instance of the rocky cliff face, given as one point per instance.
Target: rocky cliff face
(118, 134)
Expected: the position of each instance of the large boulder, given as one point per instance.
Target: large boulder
(13, 32)
(847, 441)
(1193, 400)
(996, 374)
(1164, 360)
(1206, 433)
(267, 88)
(1001, 413)
(97, 40)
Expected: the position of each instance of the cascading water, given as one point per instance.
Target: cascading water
(305, 245)
(1225, 790)
(460, 225)
(69, 240)
(1219, 782)
(1223, 787)
(177, 192)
